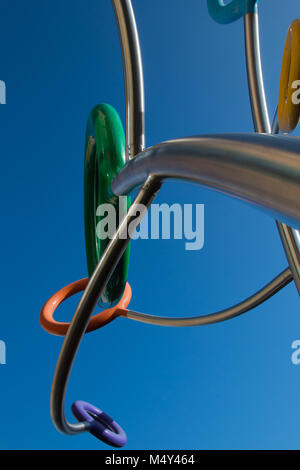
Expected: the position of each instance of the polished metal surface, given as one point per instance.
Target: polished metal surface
(93, 291)
(290, 236)
(86, 306)
(260, 169)
(261, 123)
(275, 124)
(133, 76)
(255, 76)
(261, 296)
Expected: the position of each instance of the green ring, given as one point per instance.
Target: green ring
(104, 158)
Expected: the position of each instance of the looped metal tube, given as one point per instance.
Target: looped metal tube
(257, 162)
(87, 304)
(282, 280)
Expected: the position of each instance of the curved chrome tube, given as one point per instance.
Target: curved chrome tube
(93, 291)
(255, 77)
(282, 280)
(87, 303)
(289, 236)
(258, 168)
(133, 77)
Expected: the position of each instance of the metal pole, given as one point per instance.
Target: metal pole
(261, 122)
(133, 77)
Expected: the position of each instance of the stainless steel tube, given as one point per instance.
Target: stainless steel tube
(133, 77)
(93, 291)
(275, 125)
(261, 122)
(255, 77)
(289, 236)
(258, 168)
(291, 243)
(261, 296)
(85, 309)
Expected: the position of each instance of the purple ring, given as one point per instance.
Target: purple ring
(101, 425)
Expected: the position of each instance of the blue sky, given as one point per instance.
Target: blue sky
(225, 386)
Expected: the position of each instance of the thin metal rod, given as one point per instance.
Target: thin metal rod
(282, 280)
(290, 236)
(290, 240)
(255, 77)
(261, 123)
(275, 125)
(260, 169)
(86, 306)
(133, 77)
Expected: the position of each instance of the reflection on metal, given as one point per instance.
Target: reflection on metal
(133, 75)
(261, 296)
(275, 125)
(245, 158)
(290, 239)
(255, 77)
(258, 168)
(85, 308)
(262, 124)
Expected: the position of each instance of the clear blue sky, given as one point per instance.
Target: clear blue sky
(230, 385)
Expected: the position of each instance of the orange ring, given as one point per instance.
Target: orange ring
(97, 321)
